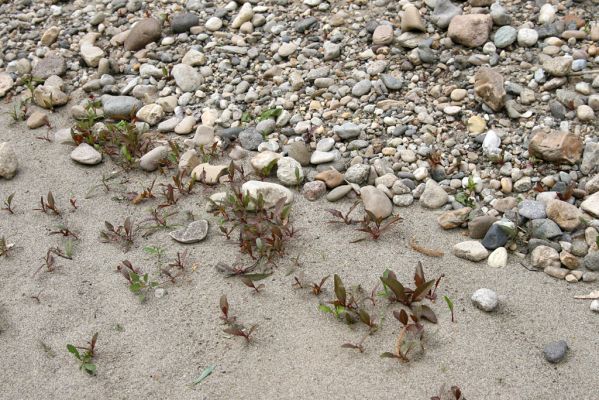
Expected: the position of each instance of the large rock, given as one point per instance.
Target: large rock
(187, 78)
(49, 96)
(144, 32)
(120, 107)
(376, 202)
(557, 147)
(454, 218)
(470, 250)
(470, 30)
(488, 85)
(433, 196)
(544, 256)
(591, 205)
(52, 64)
(8, 161)
(566, 215)
(271, 192)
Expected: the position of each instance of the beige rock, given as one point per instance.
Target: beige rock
(566, 215)
(37, 119)
(412, 20)
(50, 35)
(332, 178)
(543, 257)
(151, 113)
(569, 260)
(558, 147)
(488, 85)
(208, 174)
(476, 124)
(382, 35)
(454, 219)
(470, 30)
(49, 96)
(262, 160)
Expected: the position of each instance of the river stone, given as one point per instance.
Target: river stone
(271, 192)
(314, 190)
(557, 147)
(544, 229)
(505, 36)
(433, 196)
(346, 131)
(444, 11)
(86, 154)
(357, 173)
(485, 299)
(289, 171)
(566, 215)
(299, 152)
(544, 256)
(250, 139)
(120, 107)
(478, 227)
(182, 22)
(145, 31)
(532, 209)
(339, 192)
(591, 261)
(496, 237)
(151, 160)
(382, 35)
(556, 351)
(321, 157)
(470, 30)
(6, 83)
(498, 258)
(454, 218)
(470, 250)
(187, 78)
(488, 85)
(8, 161)
(376, 202)
(195, 232)
(331, 177)
(52, 64)
(209, 174)
(591, 205)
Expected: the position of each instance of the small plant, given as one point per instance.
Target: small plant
(50, 261)
(8, 203)
(224, 308)
(454, 393)
(123, 234)
(343, 217)
(267, 170)
(450, 306)
(356, 346)
(157, 221)
(169, 196)
(146, 194)
(86, 357)
(156, 251)
(207, 154)
(184, 188)
(409, 338)
(48, 205)
(5, 247)
(317, 287)
(241, 330)
(73, 202)
(19, 111)
(374, 226)
(64, 231)
(345, 307)
(177, 268)
(248, 280)
(236, 269)
(271, 113)
(139, 283)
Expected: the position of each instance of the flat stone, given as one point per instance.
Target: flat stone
(566, 215)
(488, 85)
(144, 32)
(289, 171)
(182, 22)
(250, 139)
(331, 177)
(339, 192)
(346, 131)
(591, 205)
(6, 83)
(485, 299)
(151, 160)
(532, 209)
(314, 190)
(470, 250)
(454, 218)
(495, 237)
(544, 256)
(37, 119)
(376, 202)
(195, 232)
(52, 64)
(120, 107)
(86, 154)
(150, 113)
(557, 147)
(478, 227)
(187, 78)
(209, 174)
(544, 229)
(321, 157)
(357, 173)
(271, 192)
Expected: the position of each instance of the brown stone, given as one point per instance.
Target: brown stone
(455, 218)
(478, 227)
(566, 215)
(558, 147)
(144, 32)
(470, 30)
(488, 85)
(332, 178)
(569, 260)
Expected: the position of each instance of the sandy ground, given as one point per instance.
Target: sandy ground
(166, 343)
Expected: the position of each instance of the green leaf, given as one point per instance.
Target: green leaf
(449, 302)
(340, 290)
(388, 355)
(73, 350)
(271, 113)
(205, 374)
(135, 287)
(89, 368)
(326, 309)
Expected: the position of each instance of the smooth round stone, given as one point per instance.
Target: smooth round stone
(505, 36)
(193, 233)
(556, 351)
(595, 305)
(383, 34)
(185, 126)
(287, 49)
(214, 24)
(527, 37)
(321, 157)
(585, 113)
(458, 94)
(86, 154)
(338, 193)
(325, 144)
(452, 110)
(498, 258)
(361, 88)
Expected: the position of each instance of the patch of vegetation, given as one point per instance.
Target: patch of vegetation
(140, 283)
(122, 234)
(86, 356)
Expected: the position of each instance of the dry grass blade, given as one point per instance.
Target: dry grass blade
(424, 250)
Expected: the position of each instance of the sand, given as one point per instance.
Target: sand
(166, 343)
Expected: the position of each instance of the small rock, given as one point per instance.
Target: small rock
(299, 152)
(567, 216)
(37, 119)
(86, 154)
(544, 256)
(498, 258)
(558, 66)
(488, 85)
(433, 196)
(332, 178)
(411, 19)
(497, 236)
(144, 32)
(357, 173)
(376, 202)
(8, 161)
(556, 351)
(478, 227)
(454, 219)
(595, 305)
(271, 192)
(339, 192)
(470, 30)
(314, 190)
(187, 78)
(151, 113)
(250, 139)
(151, 160)
(591, 205)
(532, 209)
(558, 147)
(289, 171)
(185, 126)
(591, 261)
(347, 131)
(182, 22)
(6, 83)
(209, 174)
(383, 35)
(485, 299)
(444, 12)
(470, 250)
(120, 107)
(195, 232)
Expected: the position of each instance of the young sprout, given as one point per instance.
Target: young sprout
(86, 357)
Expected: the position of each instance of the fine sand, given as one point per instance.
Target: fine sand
(166, 343)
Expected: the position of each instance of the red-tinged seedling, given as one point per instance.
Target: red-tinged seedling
(318, 287)
(184, 188)
(8, 203)
(454, 393)
(177, 268)
(409, 339)
(297, 283)
(236, 269)
(140, 284)
(156, 222)
(86, 356)
(345, 218)
(224, 308)
(240, 330)
(343, 307)
(169, 196)
(48, 205)
(73, 202)
(146, 194)
(374, 226)
(122, 235)
(36, 297)
(49, 260)
(356, 346)
(248, 280)
(64, 231)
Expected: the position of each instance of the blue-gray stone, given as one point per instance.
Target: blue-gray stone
(250, 139)
(556, 351)
(545, 229)
(591, 261)
(532, 209)
(495, 237)
(505, 36)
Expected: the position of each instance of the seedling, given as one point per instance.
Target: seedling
(356, 346)
(236, 269)
(5, 247)
(36, 297)
(267, 170)
(342, 307)
(317, 287)
(64, 231)
(207, 154)
(248, 281)
(123, 234)
(86, 357)
(453, 393)
(137, 198)
(157, 221)
(450, 306)
(73, 202)
(177, 267)
(49, 262)
(240, 330)
(374, 226)
(224, 308)
(184, 188)
(139, 283)
(343, 217)
(8, 203)
(156, 251)
(169, 196)
(19, 111)
(409, 338)
(48, 205)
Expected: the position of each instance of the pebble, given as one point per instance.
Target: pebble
(314, 190)
(8, 161)
(470, 250)
(555, 352)
(498, 258)
(433, 196)
(151, 160)
(289, 171)
(376, 202)
(271, 192)
(338, 193)
(86, 154)
(195, 232)
(144, 32)
(485, 299)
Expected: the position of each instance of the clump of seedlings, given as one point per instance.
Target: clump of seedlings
(50, 261)
(233, 328)
(48, 205)
(177, 268)
(356, 346)
(157, 221)
(374, 226)
(140, 284)
(146, 194)
(409, 339)
(86, 356)
(8, 203)
(122, 234)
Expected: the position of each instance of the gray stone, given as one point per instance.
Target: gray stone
(250, 139)
(478, 227)
(361, 88)
(391, 82)
(182, 22)
(52, 64)
(532, 209)
(470, 250)
(485, 299)
(187, 78)
(591, 261)
(144, 32)
(299, 152)
(433, 196)
(403, 200)
(496, 237)
(591, 205)
(8, 161)
(339, 192)
(151, 160)
(556, 351)
(346, 131)
(357, 173)
(120, 107)
(86, 154)
(289, 171)
(544, 229)
(505, 36)
(444, 11)
(314, 190)
(195, 232)
(590, 158)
